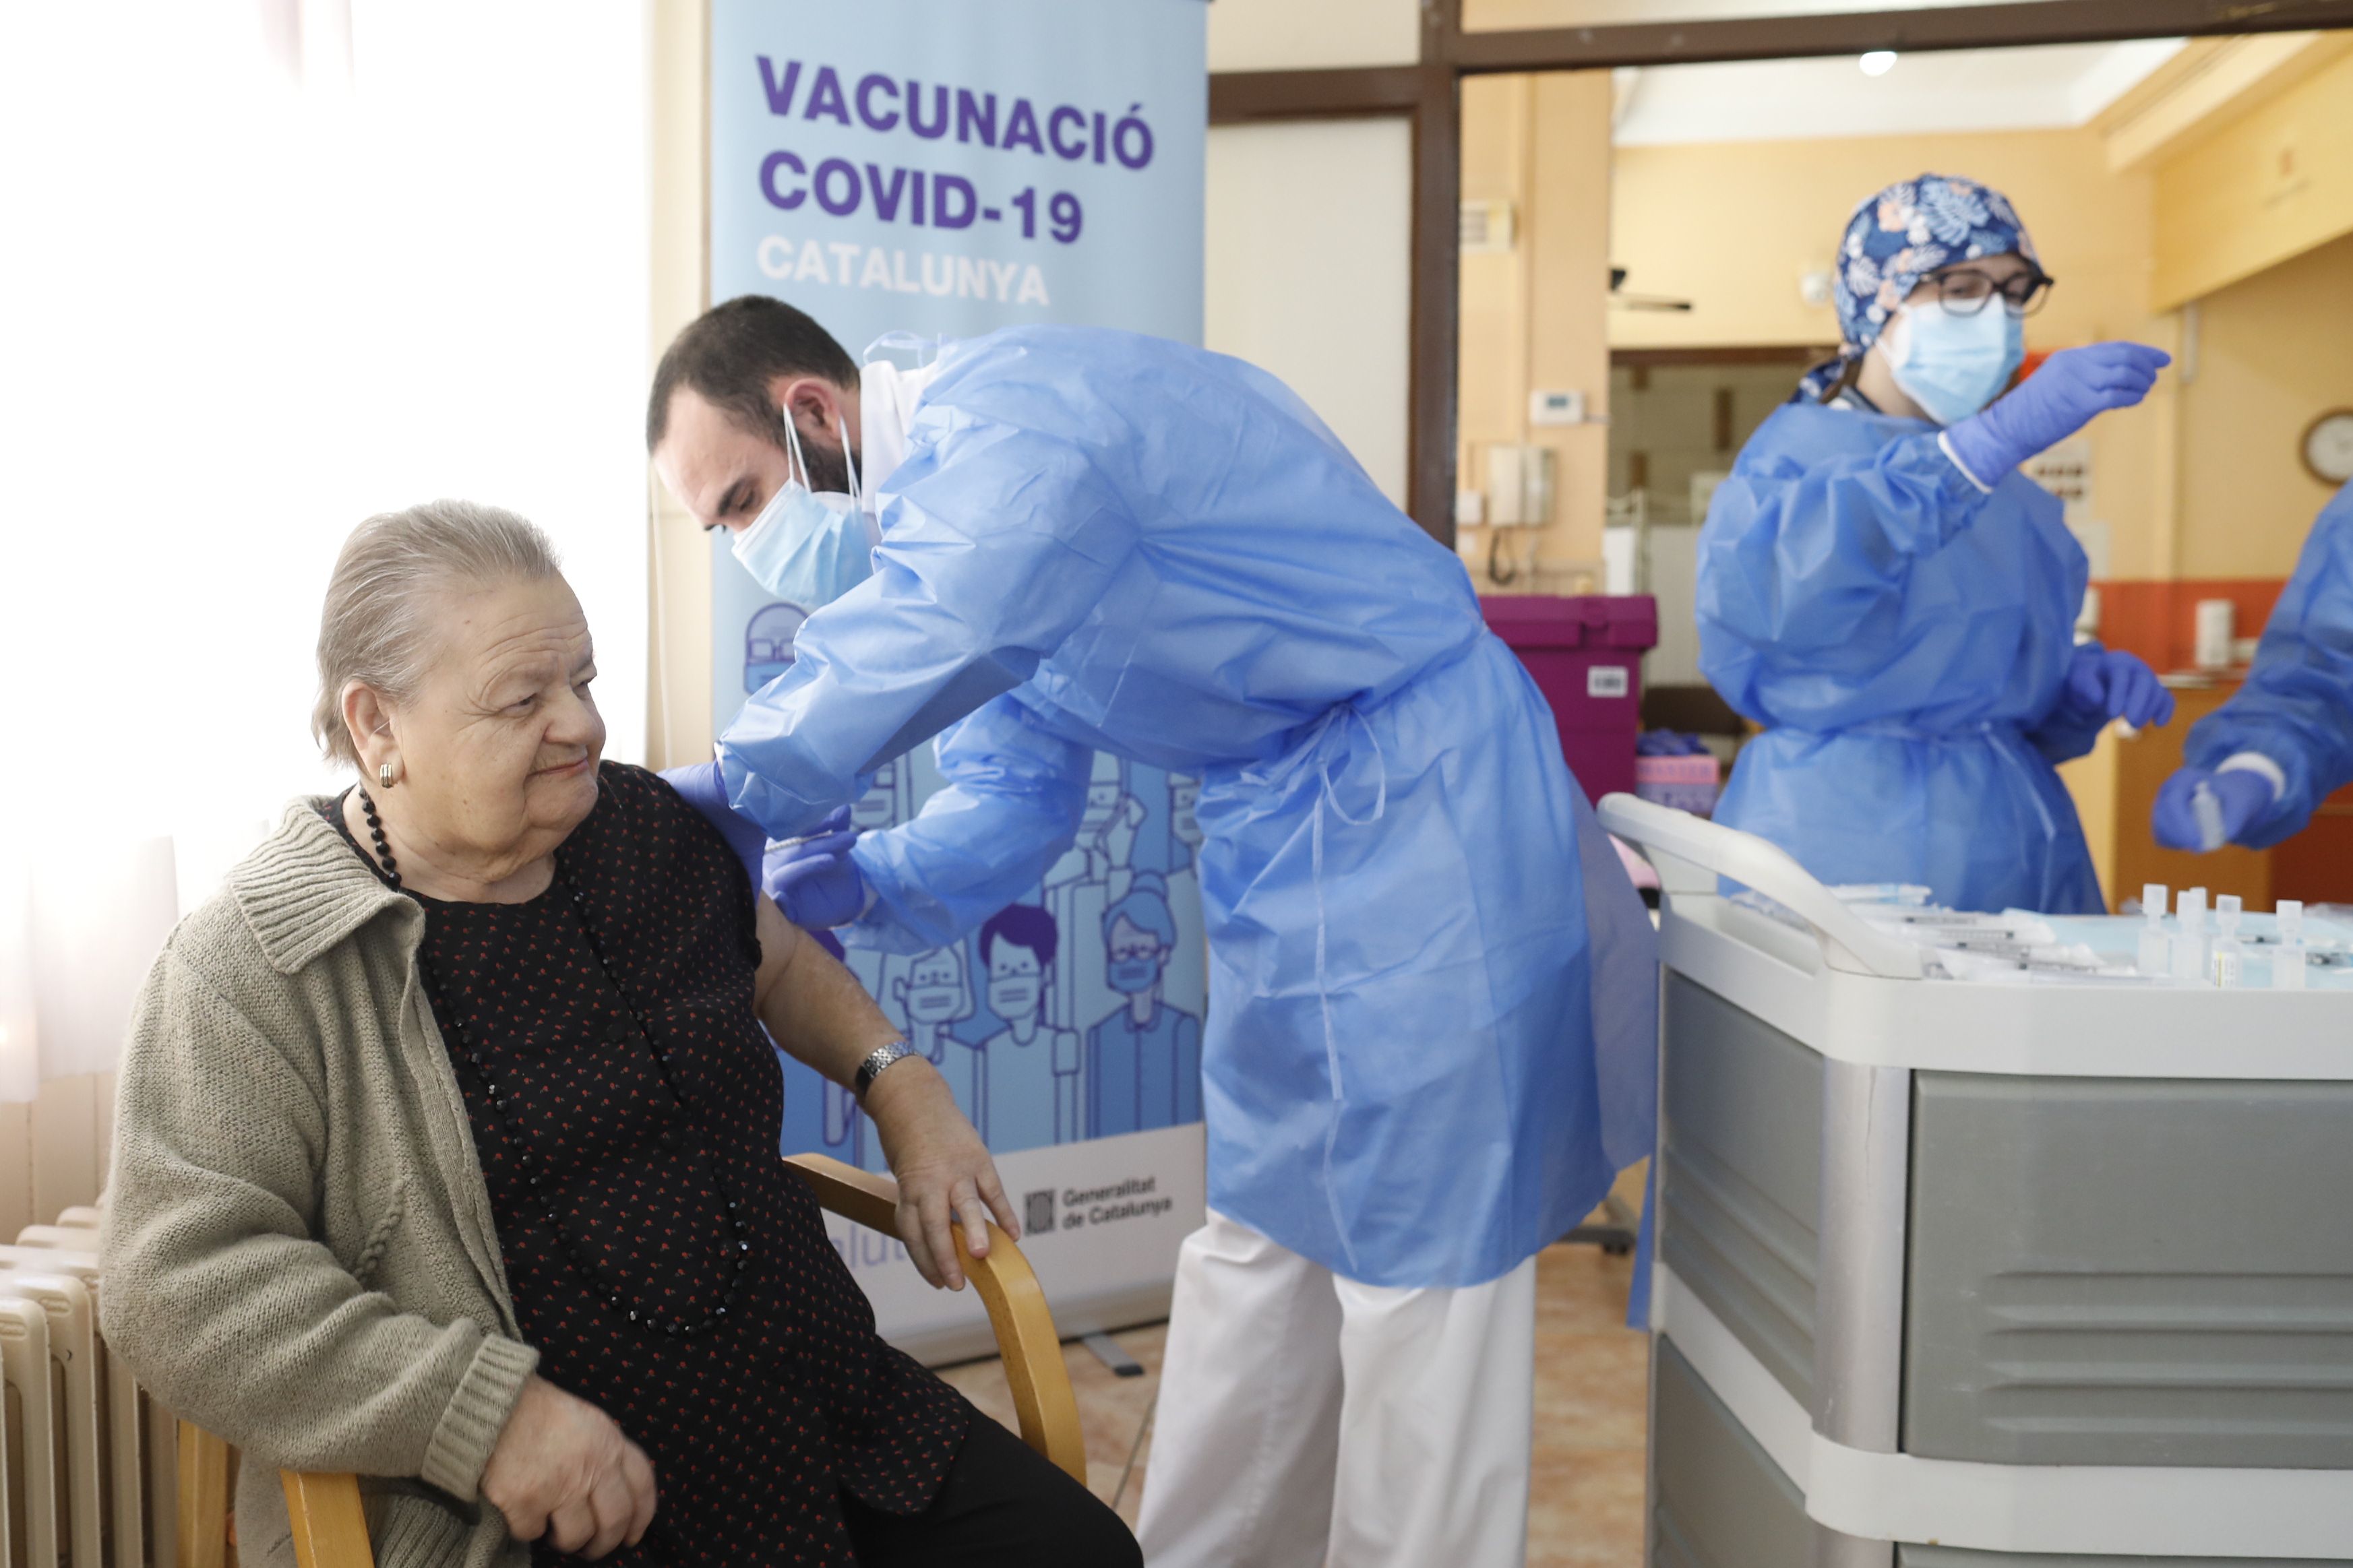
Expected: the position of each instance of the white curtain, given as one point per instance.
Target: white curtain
(273, 266)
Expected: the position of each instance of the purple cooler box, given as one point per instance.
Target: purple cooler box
(1585, 655)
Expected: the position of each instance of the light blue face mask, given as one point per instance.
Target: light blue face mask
(1950, 364)
(807, 548)
(1131, 976)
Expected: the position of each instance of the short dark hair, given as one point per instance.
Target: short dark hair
(1023, 925)
(731, 352)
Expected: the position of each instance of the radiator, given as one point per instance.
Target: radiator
(90, 1464)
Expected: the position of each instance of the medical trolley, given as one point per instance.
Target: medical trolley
(2048, 1265)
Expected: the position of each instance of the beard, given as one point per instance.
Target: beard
(828, 470)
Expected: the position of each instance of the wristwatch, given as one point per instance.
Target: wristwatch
(873, 1066)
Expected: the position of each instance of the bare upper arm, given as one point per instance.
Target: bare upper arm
(780, 943)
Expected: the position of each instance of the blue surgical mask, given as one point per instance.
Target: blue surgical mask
(1015, 996)
(936, 1004)
(1950, 364)
(807, 549)
(1131, 976)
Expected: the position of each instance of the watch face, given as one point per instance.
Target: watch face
(2328, 447)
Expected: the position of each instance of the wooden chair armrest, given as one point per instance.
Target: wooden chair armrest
(202, 1533)
(1009, 1289)
(329, 1528)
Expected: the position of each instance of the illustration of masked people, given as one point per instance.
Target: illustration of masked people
(1027, 1080)
(1143, 1061)
(1186, 982)
(879, 806)
(932, 996)
(1106, 840)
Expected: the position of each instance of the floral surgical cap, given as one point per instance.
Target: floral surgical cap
(1899, 236)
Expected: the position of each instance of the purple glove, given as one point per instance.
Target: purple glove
(2241, 797)
(813, 881)
(701, 787)
(2073, 386)
(2117, 685)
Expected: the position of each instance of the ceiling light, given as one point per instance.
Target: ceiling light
(1878, 62)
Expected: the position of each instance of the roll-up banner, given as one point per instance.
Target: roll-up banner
(941, 169)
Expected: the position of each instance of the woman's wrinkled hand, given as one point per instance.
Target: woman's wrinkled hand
(563, 1470)
(945, 1176)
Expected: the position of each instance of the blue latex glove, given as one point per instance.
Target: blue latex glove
(813, 881)
(2241, 797)
(2073, 387)
(2117, 685)
(701, 787)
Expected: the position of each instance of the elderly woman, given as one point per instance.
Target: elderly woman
(1879, 586)
(446, 1144)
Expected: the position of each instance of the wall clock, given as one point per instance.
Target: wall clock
(2328, 447)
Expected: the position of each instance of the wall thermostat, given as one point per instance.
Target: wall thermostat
(1556, 408)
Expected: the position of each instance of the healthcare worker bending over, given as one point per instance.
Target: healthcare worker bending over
(1881, 586)
(1432, 1003)
(2285, 743)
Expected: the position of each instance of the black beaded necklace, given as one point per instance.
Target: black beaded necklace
(739, 1248)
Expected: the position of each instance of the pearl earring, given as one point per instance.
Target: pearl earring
(383, 775)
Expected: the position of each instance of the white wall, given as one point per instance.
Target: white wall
(1310, 268)
(1297, 35)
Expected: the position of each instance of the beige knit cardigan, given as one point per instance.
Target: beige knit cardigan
(300, 1253)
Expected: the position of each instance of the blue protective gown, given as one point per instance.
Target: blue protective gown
(1906, 636)
(2296, 707)
(1099, 540)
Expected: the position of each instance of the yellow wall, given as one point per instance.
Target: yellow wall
(1488, 15)
(1534, 317)
(2272, 183)
(2274, 353)
(1734, 227)
(1312, 34)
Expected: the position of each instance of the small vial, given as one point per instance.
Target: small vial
(2190, 941)
(2229, 960)
(2155, 944)
(2206, 807)
(2287, 958)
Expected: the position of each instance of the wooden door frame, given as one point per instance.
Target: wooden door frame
(1430, 93)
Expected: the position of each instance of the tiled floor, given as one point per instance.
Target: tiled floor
(1586, 1493)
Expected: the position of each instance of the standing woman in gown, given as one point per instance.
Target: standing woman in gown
(1881, 588)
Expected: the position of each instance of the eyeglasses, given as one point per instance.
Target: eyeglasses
(1965, 290)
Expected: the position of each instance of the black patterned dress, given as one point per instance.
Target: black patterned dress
(758, 1421)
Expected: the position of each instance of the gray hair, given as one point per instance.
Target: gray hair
(375, 627)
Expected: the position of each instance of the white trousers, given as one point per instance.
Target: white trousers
(1307, 1420)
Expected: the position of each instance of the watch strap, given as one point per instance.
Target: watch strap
(877, 1060)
